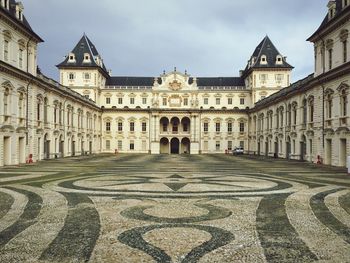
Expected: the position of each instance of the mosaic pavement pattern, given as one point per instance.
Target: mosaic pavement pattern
(148, 208)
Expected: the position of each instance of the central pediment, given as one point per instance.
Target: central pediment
(176, 81)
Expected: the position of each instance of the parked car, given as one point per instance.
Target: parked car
(238, 150)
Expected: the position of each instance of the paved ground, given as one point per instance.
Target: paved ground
(147, 208)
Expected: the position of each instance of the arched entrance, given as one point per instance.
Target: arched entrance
(46, 147)
(175, 125)
(288, 148)
(164, 123)
(61, 146)
(174, 146)
(185, 146)
(185, 123)
(303, 148)
(164, 146)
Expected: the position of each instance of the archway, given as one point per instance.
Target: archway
(61, 146)
(302, 148)
(185, 146)
(185, 123)
(164, 146)
(276, 148)
(164, 122)
(175, 146)
(46, 147)
(288, 148)
(175, 121)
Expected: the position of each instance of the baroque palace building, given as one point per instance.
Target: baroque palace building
(90, 111)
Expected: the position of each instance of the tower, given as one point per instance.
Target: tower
(83, 70)
(267, 71)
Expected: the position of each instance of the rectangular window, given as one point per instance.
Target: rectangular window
(120, 145)
(132, 145)
(217, 127)
(229, 145)
(120, 126)
(108, 100)
(217, 145)
(164, 101)
(345, 51)
(330, 58)
(108, 144)
(241, 144)
(279, 78)
(20, 58)
(120, 101)
(217, 101)
(206, 127)
(206, 101)
(229, 127)
(206, 145)
(6, 50)
(229, 101)
(132, 126)
(86, 76)
(185, 101)
(144, 126)
(241, 101)
(241, 127)
(263, 78)
(132, 100)
(144, 100)
(108, 126)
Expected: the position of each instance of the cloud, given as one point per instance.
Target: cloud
(208, 38)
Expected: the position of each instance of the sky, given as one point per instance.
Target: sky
(205, 37)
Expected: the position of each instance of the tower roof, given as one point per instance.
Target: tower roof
(267, 50)
(84, 46)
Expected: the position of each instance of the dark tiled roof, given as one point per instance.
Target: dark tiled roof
(284, 92)
(267, 48)
(84, 46)
(338, 10)
(131, 81)
(220, 82)
(12, 13)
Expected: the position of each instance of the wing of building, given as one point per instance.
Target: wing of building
(91, 111)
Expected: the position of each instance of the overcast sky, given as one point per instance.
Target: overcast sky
(205, 37)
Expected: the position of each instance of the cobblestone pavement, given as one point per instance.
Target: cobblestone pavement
(164, 208)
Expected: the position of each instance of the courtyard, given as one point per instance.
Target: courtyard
(174, 208)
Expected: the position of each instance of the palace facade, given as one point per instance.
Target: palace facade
(90, 111)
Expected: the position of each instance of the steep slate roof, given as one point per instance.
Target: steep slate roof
(84, 46)
(220, 82)
(130, 81)
(12, 14)
(338, 10)
(267, 48)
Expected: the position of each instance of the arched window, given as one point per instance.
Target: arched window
(311, 109)
(46, 108)
(21, 105)
(38, 108)
(7, 102)
(289, 115)
(344, 103)
(304, 111)
(295, 113)
(329, 105)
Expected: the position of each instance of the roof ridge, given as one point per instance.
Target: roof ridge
(259, 54)
(87, 41)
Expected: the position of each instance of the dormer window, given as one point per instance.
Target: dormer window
(71, 57)
(279, 60)
(19, 11)
(331, 9)
(87, 58)
(263, 59)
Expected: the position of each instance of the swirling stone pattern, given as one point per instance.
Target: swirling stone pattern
(164, 208)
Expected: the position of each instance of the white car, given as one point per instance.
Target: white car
(238, 150)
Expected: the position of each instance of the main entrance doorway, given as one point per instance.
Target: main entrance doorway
(175, 146)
